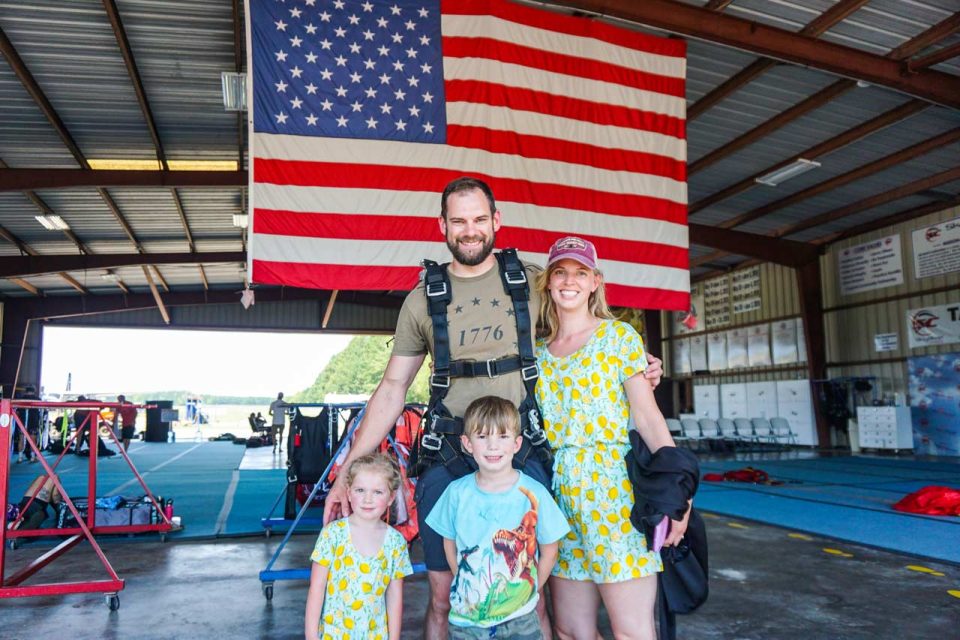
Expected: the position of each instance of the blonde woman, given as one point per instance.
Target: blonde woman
(591, 385)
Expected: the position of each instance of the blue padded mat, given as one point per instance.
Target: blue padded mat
(847, 498)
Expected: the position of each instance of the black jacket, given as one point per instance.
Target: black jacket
(663, 483)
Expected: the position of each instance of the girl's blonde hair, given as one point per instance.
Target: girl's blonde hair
(375, 463)
(550, 320)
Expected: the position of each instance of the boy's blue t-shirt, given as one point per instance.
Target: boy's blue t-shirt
(496, 535)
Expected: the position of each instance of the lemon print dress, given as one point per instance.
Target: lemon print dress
(354, 605)
(586, 416)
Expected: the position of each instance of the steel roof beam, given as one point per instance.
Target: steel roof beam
(156, 295)
(828, 146)
(931, 36)
(820, 24)
(37, 264)
(780, 44)
(790, 254)
(26, 179)
(938, 56)
(887, 221)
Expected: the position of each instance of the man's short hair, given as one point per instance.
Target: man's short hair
(491, 414)
(464, 184)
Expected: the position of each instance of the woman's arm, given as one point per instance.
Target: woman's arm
(394, 609)
(318, 585)
(653, 429)
(548, 558)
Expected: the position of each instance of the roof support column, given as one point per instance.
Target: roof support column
(811, 309)
(16, 323)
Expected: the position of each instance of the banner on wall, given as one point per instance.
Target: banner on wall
(681, 356)
(717, 351)
(716, 301)
(785, 342)
(737, 348)
(935, 404)
(936, 249)
(758, 345)
(698, 353)
(932, 326)
(745, 290)
(871, 265)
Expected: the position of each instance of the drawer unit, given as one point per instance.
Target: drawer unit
(733, 401)
(885, 427)
(706, 400)
(762, 399)
(796, 405)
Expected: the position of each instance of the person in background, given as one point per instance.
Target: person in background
(278, 409)
(359, 562)
(128, 419)
(34, 512)
(31, 418)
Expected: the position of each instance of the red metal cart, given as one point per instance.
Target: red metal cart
(86, 529)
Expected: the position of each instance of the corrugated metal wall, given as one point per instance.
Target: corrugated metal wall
(850, 331)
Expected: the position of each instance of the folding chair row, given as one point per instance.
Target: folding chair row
(757, 430)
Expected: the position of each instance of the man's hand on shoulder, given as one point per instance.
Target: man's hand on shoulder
(336, 505)
(654, 370)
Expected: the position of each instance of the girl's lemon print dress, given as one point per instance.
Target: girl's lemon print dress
(587, 416)
(354, 605)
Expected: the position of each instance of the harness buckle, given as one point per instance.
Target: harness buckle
(435, 289)
(535, 435)
(530, 373)
(516, 277)
(439, 381)
(431, 442)
(490, 373)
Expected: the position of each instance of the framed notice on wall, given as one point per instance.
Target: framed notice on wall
(737, 349)
(871, 265)
(936, 249)
(784, 339)
(698, 352)
(681, 357)
(717, 351)
(758, 345)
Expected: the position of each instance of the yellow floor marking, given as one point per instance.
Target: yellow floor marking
(709, 515)
(737, 525)
(918, 568)
(954, 592)
(799, 536)
(838, 552)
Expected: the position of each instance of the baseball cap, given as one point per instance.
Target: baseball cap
(573, 248)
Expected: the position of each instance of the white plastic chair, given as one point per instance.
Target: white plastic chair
(780, 428)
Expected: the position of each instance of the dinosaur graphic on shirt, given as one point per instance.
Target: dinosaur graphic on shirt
(519, 546)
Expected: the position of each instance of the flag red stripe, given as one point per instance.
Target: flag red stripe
(490, 48)
(530, 146)
(367, 176)
(360, 227)
(558, 23)
(498, 95)
(345, 277)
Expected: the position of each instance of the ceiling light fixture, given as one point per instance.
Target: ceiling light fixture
(234, 90)
(240, 220)
(52, 223)
(792, 170)
(109, 276)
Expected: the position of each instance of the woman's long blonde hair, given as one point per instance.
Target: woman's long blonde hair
(549, 324)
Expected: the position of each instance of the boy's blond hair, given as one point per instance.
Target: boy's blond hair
(491, 414)
(375, 463)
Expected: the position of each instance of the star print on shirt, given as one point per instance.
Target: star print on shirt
(494, 303)
(459, 309)
(509, 311)
(476, 302)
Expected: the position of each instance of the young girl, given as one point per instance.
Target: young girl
(359, 562)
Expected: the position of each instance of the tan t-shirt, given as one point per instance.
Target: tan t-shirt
(482, 327)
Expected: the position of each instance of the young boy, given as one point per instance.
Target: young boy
(493, 522)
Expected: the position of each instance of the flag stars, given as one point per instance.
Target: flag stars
(281, 118)
(369, 64)
(341, 61)
(425, 68)
(371, 123)
(326, 104)
(371, 92)
(414, 111)
(395, 10)
(398, 65)
(281, 56)
(354, 47)
(311, 29)
(295, 41)
(384, 79)
(310, 3)
(382, 23)
(296, 72)
(368, 35)
(341, 91)
(281, 25)
(324, 17)
(428, 128)
(342, 121)
(356, 106)
(411, 53)
(311, 89)
(385, 108)
(295, 13)
(312, 120)
(338, 4)
(367, 7)
(399, 94)
(355, 78)
(424, 40)
(397, 37)
(354, 19)
(341, 32)
(428, 97)
(410, 25)
(326, 74)
(325, 44)
(312, 58)
(402, 126)
(423, 12)
(296, 103)
(281, 86)
(384, 51)
(413, 81)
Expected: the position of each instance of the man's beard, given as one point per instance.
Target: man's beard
(471, 260)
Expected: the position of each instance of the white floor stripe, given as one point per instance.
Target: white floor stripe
(227, 503)
(132, 481)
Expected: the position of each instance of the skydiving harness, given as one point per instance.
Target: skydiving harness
(440, 440)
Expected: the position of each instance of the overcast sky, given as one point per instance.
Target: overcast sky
(203, 362)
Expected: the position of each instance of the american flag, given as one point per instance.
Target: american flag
(364, 110)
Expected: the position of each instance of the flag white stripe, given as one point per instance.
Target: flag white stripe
(571, 45)
(393, 253)
(538, 124)
(598, 91)
(411, 154)
(423, 204)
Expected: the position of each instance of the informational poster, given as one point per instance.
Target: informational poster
(745, 290)
(737, 349)
(934, 325)
(717, 351)
(758, 345)
(691, 320)
(716, 301)
(801, 341)
(698, 352)
(681, 357)
(936, 249)
(871, 265)
(935, 404)
(785, 342)
(886, 342)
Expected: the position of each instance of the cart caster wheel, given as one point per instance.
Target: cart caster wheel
(163, 537)
(13, 544)
(268, 592)
(113, 602)
(267, 532)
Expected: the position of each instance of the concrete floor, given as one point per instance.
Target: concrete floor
(765, 584)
